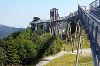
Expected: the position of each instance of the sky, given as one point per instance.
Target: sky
(19, 13)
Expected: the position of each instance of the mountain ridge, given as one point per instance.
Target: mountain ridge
(6, 30)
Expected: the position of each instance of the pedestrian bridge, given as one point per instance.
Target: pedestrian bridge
(83, 19)
(89, 20)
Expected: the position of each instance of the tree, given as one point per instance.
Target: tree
(26, 50)
(33, 23)
(2, 55)
(36, 19)
(11, 52)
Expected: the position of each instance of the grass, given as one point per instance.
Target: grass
(85, 42)
(69, 59)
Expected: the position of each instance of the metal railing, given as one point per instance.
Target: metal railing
(95, 4)
(92, 25)
(72, 14)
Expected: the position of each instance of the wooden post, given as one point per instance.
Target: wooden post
(80, 36)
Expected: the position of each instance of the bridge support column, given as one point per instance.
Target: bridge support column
(71, 37)
(61, 31)
(79, 44)
(50, 28)
(72, 46)
(50, 31)
(74, 36)
(67, 35)
(66, 41)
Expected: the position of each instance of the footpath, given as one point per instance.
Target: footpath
(46, 60)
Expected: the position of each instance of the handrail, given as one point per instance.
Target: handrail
(95, 3)
(72, 14)
(92, 25)
(91, 16)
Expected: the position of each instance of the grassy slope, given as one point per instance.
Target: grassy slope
(69, 59)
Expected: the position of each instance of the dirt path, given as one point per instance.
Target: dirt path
(46, 60)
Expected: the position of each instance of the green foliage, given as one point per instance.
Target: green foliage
(26, 50)
(36, 19)
(26, 46)
(56, 46)
(2, 55)
(69, 60)
(11, 52)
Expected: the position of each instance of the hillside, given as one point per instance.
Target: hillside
(27, 47)
(6, 30)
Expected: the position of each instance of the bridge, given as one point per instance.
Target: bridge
(88, 20)
(83, 19)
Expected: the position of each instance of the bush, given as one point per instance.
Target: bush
(2, 55)
(11, 52)
(26, 50)
(55, 47)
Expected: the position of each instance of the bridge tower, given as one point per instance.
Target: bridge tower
(53, 17)
(54, 14)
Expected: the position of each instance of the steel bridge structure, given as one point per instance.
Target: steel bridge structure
(89, 20)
